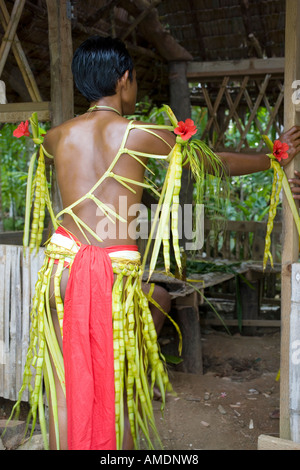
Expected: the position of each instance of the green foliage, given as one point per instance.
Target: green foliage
(250, 194)
(14, 159)
(14, 163)
(254, 134)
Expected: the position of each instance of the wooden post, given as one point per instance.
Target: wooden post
(188, 320)
(179, 90)
(250, 300)
(61, 52)
(290, 237)
(181, 106)
(294, 355)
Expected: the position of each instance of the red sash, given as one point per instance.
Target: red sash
(88, 350)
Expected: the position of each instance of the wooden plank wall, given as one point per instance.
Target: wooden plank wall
(18, 275)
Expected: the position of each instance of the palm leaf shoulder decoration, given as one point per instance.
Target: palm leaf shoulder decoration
(37, 192)
(280, 181)
(202, 161)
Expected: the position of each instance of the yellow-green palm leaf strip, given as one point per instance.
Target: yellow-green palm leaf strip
(281, 179)
(42, 420)
(163, 205)
(52, 390)
(29, 190)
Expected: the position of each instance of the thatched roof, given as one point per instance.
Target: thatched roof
(194, 30)
(227, 29)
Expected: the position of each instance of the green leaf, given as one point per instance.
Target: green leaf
(172, 359)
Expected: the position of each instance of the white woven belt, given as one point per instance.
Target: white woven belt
(69, 244)
(126, 254)
(64, 242)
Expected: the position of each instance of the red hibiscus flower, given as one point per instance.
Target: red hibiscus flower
(21, 130)
(280, 150)
(186, 129)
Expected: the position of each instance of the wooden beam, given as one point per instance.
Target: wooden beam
(142, 51)
(61, 53)
(140, 18)
(10, 32)
(251, 323)
(275, 443)
(62, 91)
(255, 42)
(17, 112)
(230, 68)
(254, 110)
(233, 107)
(20, 57)
(154, 32)
(290, 237)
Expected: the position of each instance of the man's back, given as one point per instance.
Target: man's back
(84, 148)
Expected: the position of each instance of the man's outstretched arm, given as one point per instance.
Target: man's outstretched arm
(243, 164)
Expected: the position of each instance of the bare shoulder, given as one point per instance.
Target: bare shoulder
(53, 136)
(159, 141)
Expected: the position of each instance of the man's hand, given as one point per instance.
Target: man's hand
(292, 138)
(296, 185)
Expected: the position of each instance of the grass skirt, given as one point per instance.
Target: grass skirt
(138, 364)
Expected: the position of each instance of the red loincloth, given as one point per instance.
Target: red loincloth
(88, 350)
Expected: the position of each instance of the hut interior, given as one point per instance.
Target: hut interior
(227, 56)
(157, 33)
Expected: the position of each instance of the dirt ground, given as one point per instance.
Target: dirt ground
(232, 403)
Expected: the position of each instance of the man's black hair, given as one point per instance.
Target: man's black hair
(98, 64)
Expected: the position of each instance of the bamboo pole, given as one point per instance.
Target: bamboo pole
(290, 238)
(10, 32)
(254, 110)
(20, 57)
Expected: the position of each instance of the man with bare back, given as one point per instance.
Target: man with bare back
(100, 160)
